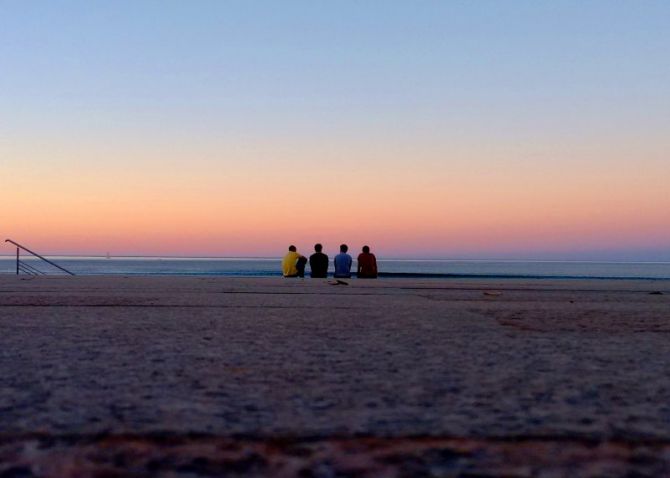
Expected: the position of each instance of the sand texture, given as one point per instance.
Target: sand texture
(581, 366)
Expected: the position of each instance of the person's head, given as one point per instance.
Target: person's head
(318, 247)
(344, 248)
(292, 248)
(366, 249)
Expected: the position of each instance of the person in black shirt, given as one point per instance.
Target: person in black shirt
(318, 262)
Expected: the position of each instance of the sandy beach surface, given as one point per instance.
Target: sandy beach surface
(203, 376)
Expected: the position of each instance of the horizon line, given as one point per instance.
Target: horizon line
(390, 258)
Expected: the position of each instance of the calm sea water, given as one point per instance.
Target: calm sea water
(387, 267)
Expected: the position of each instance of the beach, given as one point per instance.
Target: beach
(456, 376)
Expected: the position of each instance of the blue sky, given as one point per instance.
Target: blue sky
(296, 60)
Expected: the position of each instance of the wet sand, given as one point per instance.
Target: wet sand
(392, 377)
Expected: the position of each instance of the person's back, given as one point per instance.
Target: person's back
(367, 264)
(343, 263)
(318, 263)
(290, 262)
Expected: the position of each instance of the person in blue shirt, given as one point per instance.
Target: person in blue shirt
(343, 263)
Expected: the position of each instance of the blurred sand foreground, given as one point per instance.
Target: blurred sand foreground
(201, 376)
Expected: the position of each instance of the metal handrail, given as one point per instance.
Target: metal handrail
(19, 263)
(22, 268)
(28, 269)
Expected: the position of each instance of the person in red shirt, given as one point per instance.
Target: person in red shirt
(367, 264)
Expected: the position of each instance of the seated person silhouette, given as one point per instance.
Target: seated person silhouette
(343, 263)
(318, 263)
(367, 264)
(293, 264)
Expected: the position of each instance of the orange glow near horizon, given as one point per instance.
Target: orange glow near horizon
(254, 202)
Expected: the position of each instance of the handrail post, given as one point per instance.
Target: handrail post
(17, 261)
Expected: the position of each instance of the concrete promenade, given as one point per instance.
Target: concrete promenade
(528, 362)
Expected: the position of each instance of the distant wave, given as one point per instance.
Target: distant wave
(383, 275)
(428, 275)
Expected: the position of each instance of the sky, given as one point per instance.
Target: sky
(431, 129)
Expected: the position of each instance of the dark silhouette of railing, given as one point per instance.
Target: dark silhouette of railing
(22, 266)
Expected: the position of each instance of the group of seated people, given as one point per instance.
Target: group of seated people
(293, 264)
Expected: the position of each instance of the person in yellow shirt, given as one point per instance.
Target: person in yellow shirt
(293, 264)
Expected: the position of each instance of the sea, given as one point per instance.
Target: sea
(390, 268)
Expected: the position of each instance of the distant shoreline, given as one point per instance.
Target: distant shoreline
(389, 268)
(382, 275)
